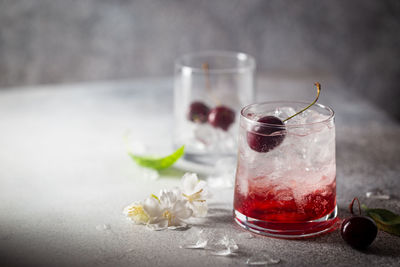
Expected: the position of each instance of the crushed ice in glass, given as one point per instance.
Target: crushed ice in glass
(262, 260)
(284, 112)
(377, 194)
(208, 138)
(307, 116)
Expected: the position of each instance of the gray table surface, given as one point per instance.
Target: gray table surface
(64, 172)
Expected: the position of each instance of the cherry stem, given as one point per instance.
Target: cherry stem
(206, 68)
(352, 204)
(318, 85)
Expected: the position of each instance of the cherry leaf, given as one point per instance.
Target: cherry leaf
(158, 163)
(385, 220)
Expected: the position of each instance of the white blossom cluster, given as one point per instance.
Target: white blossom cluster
(171, 207)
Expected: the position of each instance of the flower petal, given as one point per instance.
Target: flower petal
(152, 207)
(189, 182)
(200, 209)
(181, 210)
(202, 185)
(169, 197)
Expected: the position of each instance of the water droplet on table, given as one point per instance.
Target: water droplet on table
(103, 227)
(246, 235)
(262, 260)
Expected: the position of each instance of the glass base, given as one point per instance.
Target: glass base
(307, 229)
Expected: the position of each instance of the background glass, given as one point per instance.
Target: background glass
(289, 189)
(215, 79)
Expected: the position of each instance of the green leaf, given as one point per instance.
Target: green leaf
(385, 220)
(158, 163)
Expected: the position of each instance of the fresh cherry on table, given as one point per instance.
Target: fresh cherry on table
(221, 117)
(260, 139)
(198, 112)
(358, 231)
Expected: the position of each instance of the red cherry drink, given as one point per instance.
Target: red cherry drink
(286, 174)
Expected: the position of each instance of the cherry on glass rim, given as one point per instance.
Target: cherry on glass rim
(261, 138)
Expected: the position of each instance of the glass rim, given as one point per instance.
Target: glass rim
(330, 117)
(239, 56)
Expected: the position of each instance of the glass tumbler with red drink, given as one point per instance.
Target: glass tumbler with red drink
(286, 174)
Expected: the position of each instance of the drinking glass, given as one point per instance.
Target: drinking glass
(210, 89)
(286, 173)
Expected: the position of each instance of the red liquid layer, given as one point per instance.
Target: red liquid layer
(274, 204)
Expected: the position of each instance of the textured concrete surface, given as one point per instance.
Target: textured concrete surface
(64, 171)
(53, 41)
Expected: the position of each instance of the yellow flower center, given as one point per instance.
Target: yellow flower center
(169, 216)
(138, 213)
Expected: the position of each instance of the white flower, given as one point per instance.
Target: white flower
(146, 212)
(171, 212)
(172, 207)
(195, 191)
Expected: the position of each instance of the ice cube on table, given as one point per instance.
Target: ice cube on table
(377, 194)
(225, 246)
(213, 242)
(200, 241)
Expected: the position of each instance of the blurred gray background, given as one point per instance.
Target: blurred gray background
(68, 41)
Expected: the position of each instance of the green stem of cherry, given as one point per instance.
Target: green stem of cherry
(318, 85)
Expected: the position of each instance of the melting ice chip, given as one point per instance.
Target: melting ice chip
(377, 194)
(201, 242)
(214, 244)
(225, 247)
(261, 260)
